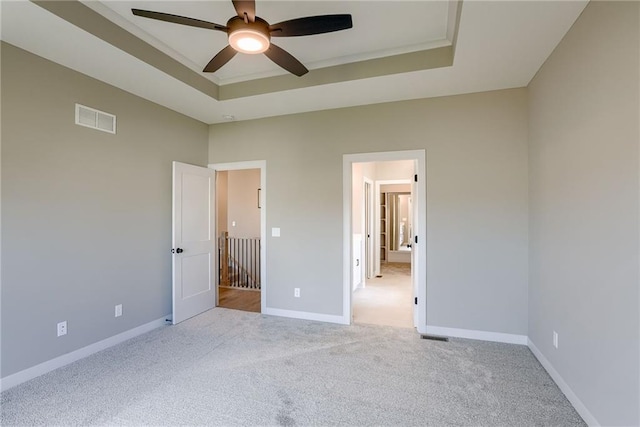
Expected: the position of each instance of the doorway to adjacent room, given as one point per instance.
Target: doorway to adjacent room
(238, 230)
(385, 219)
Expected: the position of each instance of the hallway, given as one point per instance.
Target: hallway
(386, 300)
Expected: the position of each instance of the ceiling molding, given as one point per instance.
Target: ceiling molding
(453, 26)
(100, 8)
(331, 62)
(92, 22)
(403, 63)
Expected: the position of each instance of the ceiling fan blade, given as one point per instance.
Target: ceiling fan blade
(311, 25)
(220, 59)
(183, 20)
(285, 60)
(248, 7)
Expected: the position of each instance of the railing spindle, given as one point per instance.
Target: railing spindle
(242, 257)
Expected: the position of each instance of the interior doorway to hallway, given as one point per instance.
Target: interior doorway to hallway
(238, 229)
(383, 235)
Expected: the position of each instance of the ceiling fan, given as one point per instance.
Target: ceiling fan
(251, 34)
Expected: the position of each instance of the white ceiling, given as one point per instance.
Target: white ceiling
(500, 44)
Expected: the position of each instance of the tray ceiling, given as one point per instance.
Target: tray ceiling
(396, 50)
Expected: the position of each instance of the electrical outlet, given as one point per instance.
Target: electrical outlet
(555, 339)
(62, 328)
(118, 310)
(296, 292)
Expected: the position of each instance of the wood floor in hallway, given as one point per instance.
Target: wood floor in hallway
(386, 300)
(239, 299)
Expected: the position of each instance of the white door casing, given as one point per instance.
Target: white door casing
(194, 263)
(357, 261)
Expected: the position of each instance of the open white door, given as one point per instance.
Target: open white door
(413, 211)
(368, 228)
(194, 263)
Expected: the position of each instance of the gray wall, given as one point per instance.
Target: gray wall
(242, 203)
(476, 149)
(222, 186)
(86, 215)
(584, 195)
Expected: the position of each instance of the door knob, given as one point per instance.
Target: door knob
(179, 250)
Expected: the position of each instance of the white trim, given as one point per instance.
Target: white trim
(233, 166)
(420, 226)
(305, 315)
(262, 165)
(638, 236)
(50, 365)
(355, 248)
(347, 221)
(478, 335)
(393, 181)
(582, 410)
(638, 337)
(1, 340)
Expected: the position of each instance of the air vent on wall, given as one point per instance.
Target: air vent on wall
(95, 119)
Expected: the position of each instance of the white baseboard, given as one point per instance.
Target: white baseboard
(50, 365)
(306, 315)
(477, 335)
(571, 396)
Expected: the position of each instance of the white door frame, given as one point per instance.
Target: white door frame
(420, 227)
(253, 164)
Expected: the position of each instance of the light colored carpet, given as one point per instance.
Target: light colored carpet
(386, 300)
(228, 367)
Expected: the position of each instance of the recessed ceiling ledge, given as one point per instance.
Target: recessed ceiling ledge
(403, 63)
(93, 23)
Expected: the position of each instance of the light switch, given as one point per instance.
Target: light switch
(233, 223)
(275, 232)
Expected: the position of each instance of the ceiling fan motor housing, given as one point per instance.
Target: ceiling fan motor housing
(255, 33)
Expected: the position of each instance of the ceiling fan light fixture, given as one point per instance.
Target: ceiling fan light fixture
(249, 41)
(248, 33)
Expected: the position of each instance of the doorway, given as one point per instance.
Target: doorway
(396, 293)
(386, 298)
(239, 212)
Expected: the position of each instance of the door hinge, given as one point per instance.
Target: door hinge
(415, 300)
(415, 238)
(415, 178)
